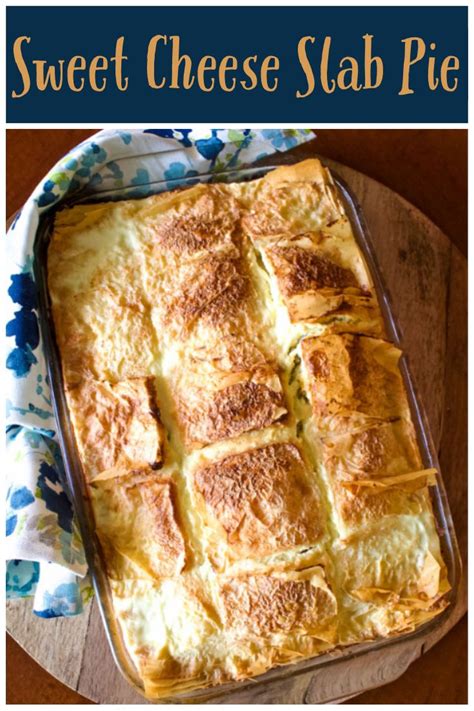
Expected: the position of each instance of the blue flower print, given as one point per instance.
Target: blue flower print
(125, 136)
(24, 328)
(241, 139)
(22, 576)
(66, 600)
(38, 411)
(20, 361)
(177, 172)
(47, 197)
(57, 502)
(115, 171)
(161, 132)
(71, 163)
(33, 438)
(141, 177)
(280, 139)
(210, 148)
(20, 498)
(141, 180)
(184, 140)
(93, 154)
(95, 179)
(11, 524)
(40, 388)
(23, 290)
(66, 179)
(24, 325)
(60, 180)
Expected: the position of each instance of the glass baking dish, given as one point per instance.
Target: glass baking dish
(76, 490)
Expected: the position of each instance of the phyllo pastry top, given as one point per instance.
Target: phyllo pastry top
(243, 429)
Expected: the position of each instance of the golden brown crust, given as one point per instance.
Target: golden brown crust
(322, 278)
(281, 603)
(383, 450)
(293, 199)
(353, 381)
(116, 425)
(136, 520)
(216, 288)
(298, 270)
(206, 224)
(228, 388)
(263, 499)
(229, 412)
(374, 473)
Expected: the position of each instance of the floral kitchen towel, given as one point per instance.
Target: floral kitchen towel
(43, 545)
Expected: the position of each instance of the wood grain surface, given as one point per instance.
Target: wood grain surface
(427, 278)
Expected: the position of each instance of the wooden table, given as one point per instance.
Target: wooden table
(434, 272)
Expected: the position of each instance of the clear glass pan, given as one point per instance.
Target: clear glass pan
(74, 483)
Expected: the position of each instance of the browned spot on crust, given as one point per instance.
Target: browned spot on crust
(229, 387)
(354, 375)
(370, 451)
(299, 270)
(215, 290)
(388, 449)
(266, 604)
(209, 222)
(262, 224)
(117, 425)
(362, 506)
(365, 375)
(262, 498)
(136, 516)
(165, 531)
(318, 365)
(235, 409)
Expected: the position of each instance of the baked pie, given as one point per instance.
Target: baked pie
(243, 428)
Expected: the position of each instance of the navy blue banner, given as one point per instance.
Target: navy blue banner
(236, 64)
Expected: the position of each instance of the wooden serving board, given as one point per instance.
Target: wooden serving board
(427, 280)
